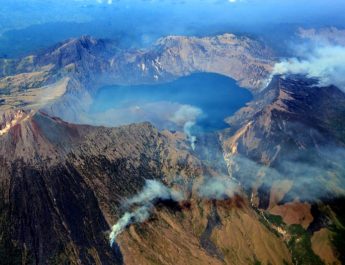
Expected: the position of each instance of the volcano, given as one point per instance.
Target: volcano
(66, 180)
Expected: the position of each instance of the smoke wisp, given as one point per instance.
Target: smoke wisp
(219, 188)
(152, 191)
(326, 63)
(312, 179)
(144, 201)
(187, 116)
(138, 216)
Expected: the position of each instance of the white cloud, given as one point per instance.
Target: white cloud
(218, 188)
(109, 2)
(187, 116)
(327, 63)
(153, 190)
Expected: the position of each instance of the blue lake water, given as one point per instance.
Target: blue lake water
(217, 96)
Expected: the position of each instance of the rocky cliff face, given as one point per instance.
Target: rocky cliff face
(243, 59)
(287, 148)
(291, 114)
(62, 184)
(292, 121)
(73, 70)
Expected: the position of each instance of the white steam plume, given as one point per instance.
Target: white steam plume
(186, 116)
(312, 180)
(153, 190)
(187, 128)
(218, 188)
(327, 63)
(138, 216)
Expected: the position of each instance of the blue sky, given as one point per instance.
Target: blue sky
(26, 24)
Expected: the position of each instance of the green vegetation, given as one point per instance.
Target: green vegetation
(300, 246)
(256, 261)
(268, 219)
(338, 240)
(299, 242)
(338, 228)
(274, 219)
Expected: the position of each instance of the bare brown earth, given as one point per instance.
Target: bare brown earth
(64, 184)
(176, 238)
(289, 117)
(267, 131)
(294, 213)
(322, 246)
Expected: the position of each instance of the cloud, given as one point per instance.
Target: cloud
(109, 2)
(323, 36)
(144, 201)
(187, 116)
(187, 129)
(210, 188)
(138, 216)
(154, 190)
(325, 63)
(219, 188)
(235, 1)
(313, 178)
(162, 114)
(310, 181)
(186, 113)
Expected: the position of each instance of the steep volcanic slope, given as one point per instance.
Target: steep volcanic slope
(204, 232)
(241, 58)
(63, 185)
(287, 148)
(292, 114)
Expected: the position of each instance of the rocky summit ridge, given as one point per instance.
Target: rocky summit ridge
(63, 185)
(72, 71)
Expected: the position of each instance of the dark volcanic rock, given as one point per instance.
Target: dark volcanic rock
(294, 130)
(63, 185)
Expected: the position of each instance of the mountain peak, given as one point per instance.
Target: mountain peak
(72, 51)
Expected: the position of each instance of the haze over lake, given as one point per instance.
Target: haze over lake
(215, 95)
